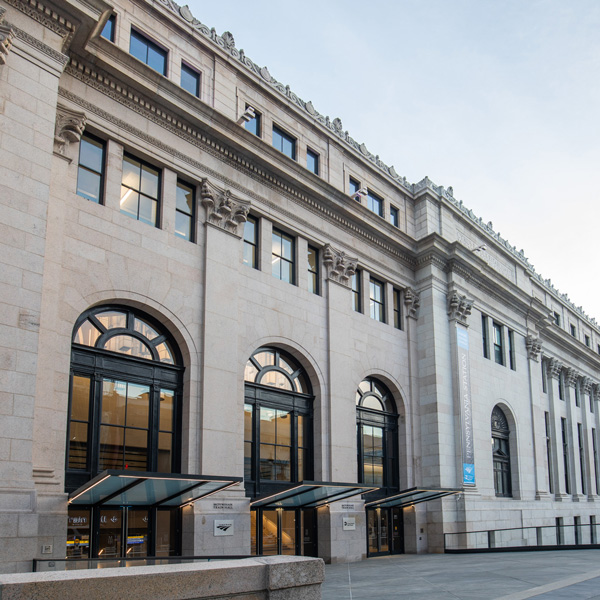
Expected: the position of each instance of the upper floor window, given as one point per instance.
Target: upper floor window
(284, 142)
(501, 453)
(356, 292)
(484, 336)
(511, 350)
(190, 80)
(140, 190)
(587, 341)
(312, 161)
(375, 203)
(354, 186)
(397, 309)
(283, 256)
(148, 52)
(498, 343)
(394, 216)
(377, 300)
(556, 319)
(185, 211)
(108, 31)
(253, 125)
(90, 173)
(313, 270)
(251, 242)
(573, 330)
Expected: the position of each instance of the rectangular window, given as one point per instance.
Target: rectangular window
(577, 528)
(377, 300)
(511, 350)
(108, 32)
(587, 341)
(596, 465)
(313, 270)
(283, 256)
(577, 398)
(561, 387)
(356, 292)
(375, 203)
(394, 216)
(573, 330)
(498, 343)
(549, 452)
(557, 319)
(284, 142)
(312, 161)
(544, 377)
(581, 458)
(140, 190)
(251, 242)
(148, 52)
(397, 309)
(254, 124)
(185, 210)
(354, 186)
(565, 445)
(190, 80)
(560, 534)
(484, 335)
(90, 173)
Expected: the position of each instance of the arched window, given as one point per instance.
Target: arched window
(277, 421)
(377, 435)
(501, 453)
(124, 408)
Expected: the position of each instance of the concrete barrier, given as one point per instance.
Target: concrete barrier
(268, 578)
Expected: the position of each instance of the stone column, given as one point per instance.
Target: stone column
(588, 423)
(570, 379)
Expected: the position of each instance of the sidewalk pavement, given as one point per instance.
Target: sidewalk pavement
(547, 575)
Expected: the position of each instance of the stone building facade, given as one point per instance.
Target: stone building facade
(211, 293)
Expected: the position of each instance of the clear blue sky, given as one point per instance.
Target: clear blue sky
(498, 98)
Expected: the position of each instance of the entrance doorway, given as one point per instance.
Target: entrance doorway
(385, 531)
(284, 531)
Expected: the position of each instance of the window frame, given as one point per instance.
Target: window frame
(315, 156)
(191, 72)
(158, 199)
(254, 244)
(394, 216)
(150, 45)
(485, 336)
(374, 304)
(192, 216)
(354, 183)
(256, 120)
(356, 287)
(565, 449)
(498, 343)
(313, 274)
(511, 350)
(113, 27)
(291, 262)
(397, 301)
(101, 175)
(285, 137)
(373, 200)
(501, 455)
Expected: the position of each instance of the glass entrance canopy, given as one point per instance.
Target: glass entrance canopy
(412, 496)
(139, 488)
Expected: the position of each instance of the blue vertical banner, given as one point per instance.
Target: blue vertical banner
(466, 412)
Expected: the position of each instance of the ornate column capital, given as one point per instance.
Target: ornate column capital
(68, 127)
(412, 301)
(554, 367)
(223, 209)
(586, 385)
(6, 39)
(459, 307)
(339, 266)
(534, 347)
(571, 377)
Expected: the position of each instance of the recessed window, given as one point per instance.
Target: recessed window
(557, 319)
(501, 453)
(148, 52)
(251, 242)
(354, 186)
(254, 124)
(108, 32)
(397, 309)
(284, 142)
(313, 270)
(190, 80)
(565, 448)
(498, 343)
(576, 392)
(484, 336)
(375, 203)
(377, 300)
(140, 190)
(573, 330)
(185, 211)
(356, 292)
(283, 256)
(394, 216)
(561, 386)
(511, 350)
(587, 341)
(312, 161)
(90, 173)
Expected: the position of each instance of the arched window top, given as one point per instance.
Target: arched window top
(499, 422)
(374, 395)
(125, 331)
(275, 368)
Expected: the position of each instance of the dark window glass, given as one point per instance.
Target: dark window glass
(397, 309)
(394, 216)
(375, 203)
(573, 331)
(190, 80)
(140, 190)
(581, 458)
(356, 292)
(185, 211)
(576, 392)
(377, 300)
(544, 377)
(557, 319)
(284, 142)
(312, 161)
(108, 32)
(565, 446)
(313, 270)
(254, 125)
(596, 464)
(90, 172)
(283, 256)
(587, 341)
(354, 187)
(511, 350)
(148, 52)
(501, 453)
(251, 242)
(498, 343)
(561, 387)
(549, 452)
(484, 335)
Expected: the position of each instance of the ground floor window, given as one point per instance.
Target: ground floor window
(284, 531)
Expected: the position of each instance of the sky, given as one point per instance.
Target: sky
(499, 99)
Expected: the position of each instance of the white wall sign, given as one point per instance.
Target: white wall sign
(223, 527)
(349, 523)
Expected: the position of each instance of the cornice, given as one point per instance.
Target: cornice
(59, 57)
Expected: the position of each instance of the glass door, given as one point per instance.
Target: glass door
(384, 531)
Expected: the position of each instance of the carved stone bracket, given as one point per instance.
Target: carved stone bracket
(554, 367)
(586, 385)
(412, 301)
(534, 347)
(571, 377)
(68, 127)
(6, 39)
(596, 390)
(459, 307)
(340, 267)
(223, 209)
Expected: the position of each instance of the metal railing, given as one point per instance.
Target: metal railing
(546, 537)
(71, 564)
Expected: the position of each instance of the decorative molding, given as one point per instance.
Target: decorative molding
(412, 301)
(6, 39)
(68, 128)
(223, 209)
(554, 367)
(340, 267)
(571, 377)
(596, 390)
(499, 422)
(59, 57)
(534, 347)
(586, 385)
(459, 307)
